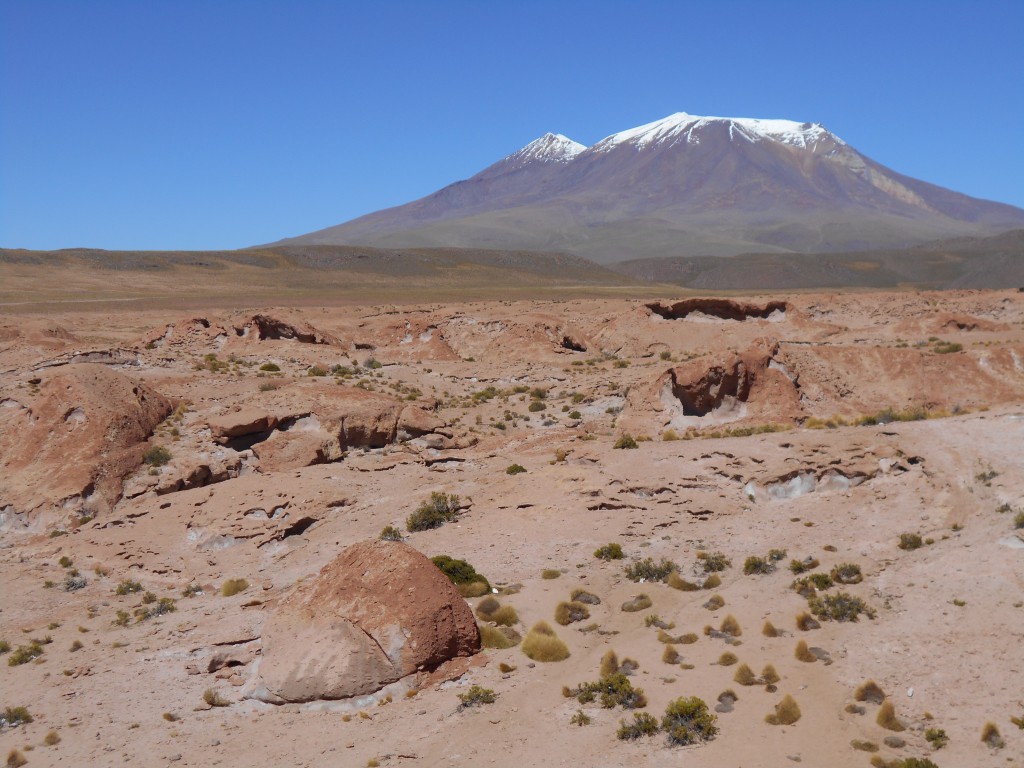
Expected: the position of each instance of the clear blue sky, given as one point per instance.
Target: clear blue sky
(220, 124)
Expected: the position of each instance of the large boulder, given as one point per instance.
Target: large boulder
(377, 613)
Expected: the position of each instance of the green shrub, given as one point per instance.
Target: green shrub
(390, 533)
(127, 587)
(609, 552)
(13, 716)
(688, 721)
(757, 565)
(434, 512)
(839, 607)
(909, 541)
(568, 613)
(542, 644)
(476, 696)
(713, 562)
(536, 406)
(65, 562)
(581, 718)
(156, 456)
(459, 572)
(936, 737)
(648, 570)
(316, 370)
(612, 690)
(270, 367)
(233, 587)
(23, 654)
(809, 585)
(515, 469)
(625, 441)
(643, 725)
(802, 566)
(847, 573)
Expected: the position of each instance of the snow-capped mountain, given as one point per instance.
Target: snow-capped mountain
(680, 186)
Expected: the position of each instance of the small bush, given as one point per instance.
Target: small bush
(434, 512)
(755, 565)
(676, 581)
(839, 607)
(214, 699)
(769, 676)
(611, 551)
(157, 456)
(626, 441)
(640, 602)
(786, 712)
(1018, 520)
(870, 692)
(714, 562)
(714, 603)
(936, 737)
(568, 613)
(14, 716)
(909, 541)
(270, 367)
(390, 533)
(769, 630)
(688, 721)
(550, 573)
(23, 654)
(233, 587)
(864, 746)
(803, 653)
(643, 725)
(805, 622)
(515, 469)
(745, 675)
(711, 582)
(648, 570)
(582, 596)
(613, 690)
(15, 759)
(542, 644)
(536, 406)
(990, 736)
(476, 696)
(51, 739)
(581, 718)
(727, 659)
(497, 638)
(730, 626)
(887, 717)
(65, 562)
(847, 573)
(74, 582)
(459, 572)
(609, 663)
(670, 655)
(128, 587)
(802, 566)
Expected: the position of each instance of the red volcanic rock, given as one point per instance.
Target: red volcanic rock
(70, 445)
(378, 612)
(244, 421)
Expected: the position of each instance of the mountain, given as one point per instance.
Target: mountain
(682, 186)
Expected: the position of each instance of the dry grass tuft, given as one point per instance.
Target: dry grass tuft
(745, 675)
(887, 717)
(670, 655)
(711, 582)
(864, 746)
(769, 676)
(497, 638)
(233, 587)
(688, 639)
(581, 595)
(473, 588)
(786, 712)
(15, 759)
(567, 613)
(486, 607)
(214, 699)
(730, 626)
(51, 739)
(805, 622)
(638, 603)
(870, 692)
(609, 663)
(727, 659)
(990, 735)
(676, 581)
(714, 602)
(542, 644)
(803, 653)
(769, 630)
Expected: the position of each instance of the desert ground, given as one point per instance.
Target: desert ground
(173, 480)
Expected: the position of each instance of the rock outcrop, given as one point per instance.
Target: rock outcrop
(377, 613)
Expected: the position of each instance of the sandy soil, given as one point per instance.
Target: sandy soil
(944, 644)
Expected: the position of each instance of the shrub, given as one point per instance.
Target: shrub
(757, 565)
(769, 676)
(270, 367)
(670, 655)
(536, 406)
(550, 573)
(727, 659)
(1018, 520)
(476, 696)
(910, 762)
(802, 566)
(51, 739)
(803, 653)
(316, 370)
(497, 638)
(23, 654)
(864, 746)
(609, 663)
(847, 573)
(542, 644)
(390, 533)
(515, 469)
(769, 630)
(459, 572)
(713, 562)
(712, 581)
(614, 690)
(909, 541)
(575, 415)
(74, 582)
(887, 717)
(581, 718)
(76, 646)
(434, 512)
(14, 716)
(15, 759)
(688, 721)
(936, 737)
(714, 603)
(839, 607)
(648, 570)
(786, 712)
(626, 441)
(214, 699)
(581, 595)
(643, 725)
(776, 555)
(805, 622)
(869, 691)
(611, 551)
(567, 613)
(156, 456)
(808, 586)
(65, 562)
(233, 587)
(638, 603)
(990, 736)
(127, 587)
(676, 581)
(730, 626)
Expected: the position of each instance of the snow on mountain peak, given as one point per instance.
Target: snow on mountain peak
(684, 127)
(549, 148)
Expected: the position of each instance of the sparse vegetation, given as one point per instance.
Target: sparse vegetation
(515, 469)
(869, 691)
(688, 721)
(23, 654)
(757, 565)
(648, 570)
(497, 637)
(626, 441)
(15, 759)
(839, 607)
(581, 718)
(15, 716)
(786, 712)
(887, 719)
(434, 512)
(991, 737)
(549, 574)
(475, 696)
(214, 699)
(639, 602)
(802, 566)
(803, 653)
(462, 575)
(676, 581)
(128, 587)
(643, 725)
(910, 541)
(713, 562)
(568, 613)
(769, 630)
(730, 626)
(390, 533)
(936, 737)
(847, 573)
(157, 456)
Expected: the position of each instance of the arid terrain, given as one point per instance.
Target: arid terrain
(173, 480)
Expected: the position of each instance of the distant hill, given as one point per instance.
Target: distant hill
(967, 262)
(682, 186)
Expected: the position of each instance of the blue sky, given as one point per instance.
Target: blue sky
(220, 124)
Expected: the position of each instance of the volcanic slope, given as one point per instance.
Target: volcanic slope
(682, 186)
